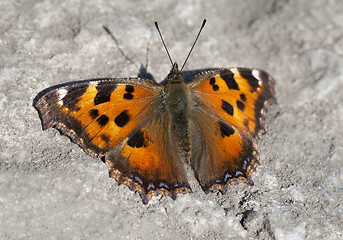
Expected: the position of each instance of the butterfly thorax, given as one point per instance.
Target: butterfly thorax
(177, 101)
(176, 92)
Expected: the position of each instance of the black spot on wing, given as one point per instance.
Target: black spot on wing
(227, 107)
(240, 105)
(128, 96)
(102, 120)
(229, 79)
(94, 113)
(215, 87)
(225, 129)
(122, 119)
(129, 90)
(104, 92)
(253, 82)
(105, 138)
(243, 97)
(137, 140)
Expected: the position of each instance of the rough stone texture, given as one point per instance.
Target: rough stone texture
(50, 189)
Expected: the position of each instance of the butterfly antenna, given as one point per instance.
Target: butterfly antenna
(164, 44)
(196, 39)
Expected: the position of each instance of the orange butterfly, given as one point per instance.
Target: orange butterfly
(145, 131)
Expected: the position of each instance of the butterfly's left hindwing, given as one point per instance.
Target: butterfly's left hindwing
(221, 154)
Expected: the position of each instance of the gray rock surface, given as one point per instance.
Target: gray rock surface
(50, 189)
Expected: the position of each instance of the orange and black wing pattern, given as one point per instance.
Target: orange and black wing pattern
(228, 113)
(97, 114)
(118, 119)
(149, 162)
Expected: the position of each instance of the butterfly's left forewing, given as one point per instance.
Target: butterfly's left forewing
(227, 114)
(236, 95)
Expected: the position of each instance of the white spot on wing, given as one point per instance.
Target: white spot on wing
(256, 74)
(93, 84)
(234, 70)
(62, 93)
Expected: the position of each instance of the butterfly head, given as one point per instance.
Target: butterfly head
(175, 76)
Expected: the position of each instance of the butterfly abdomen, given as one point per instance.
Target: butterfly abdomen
(178, 108)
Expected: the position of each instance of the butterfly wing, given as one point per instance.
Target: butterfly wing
(121, 120)
(98, 114)
(229, 106)
(147, 161)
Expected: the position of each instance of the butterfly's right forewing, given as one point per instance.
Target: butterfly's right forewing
(123, 120)
(98, 114)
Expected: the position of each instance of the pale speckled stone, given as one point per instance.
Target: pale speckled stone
(50, 189)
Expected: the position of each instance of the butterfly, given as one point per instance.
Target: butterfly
(146, 132)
